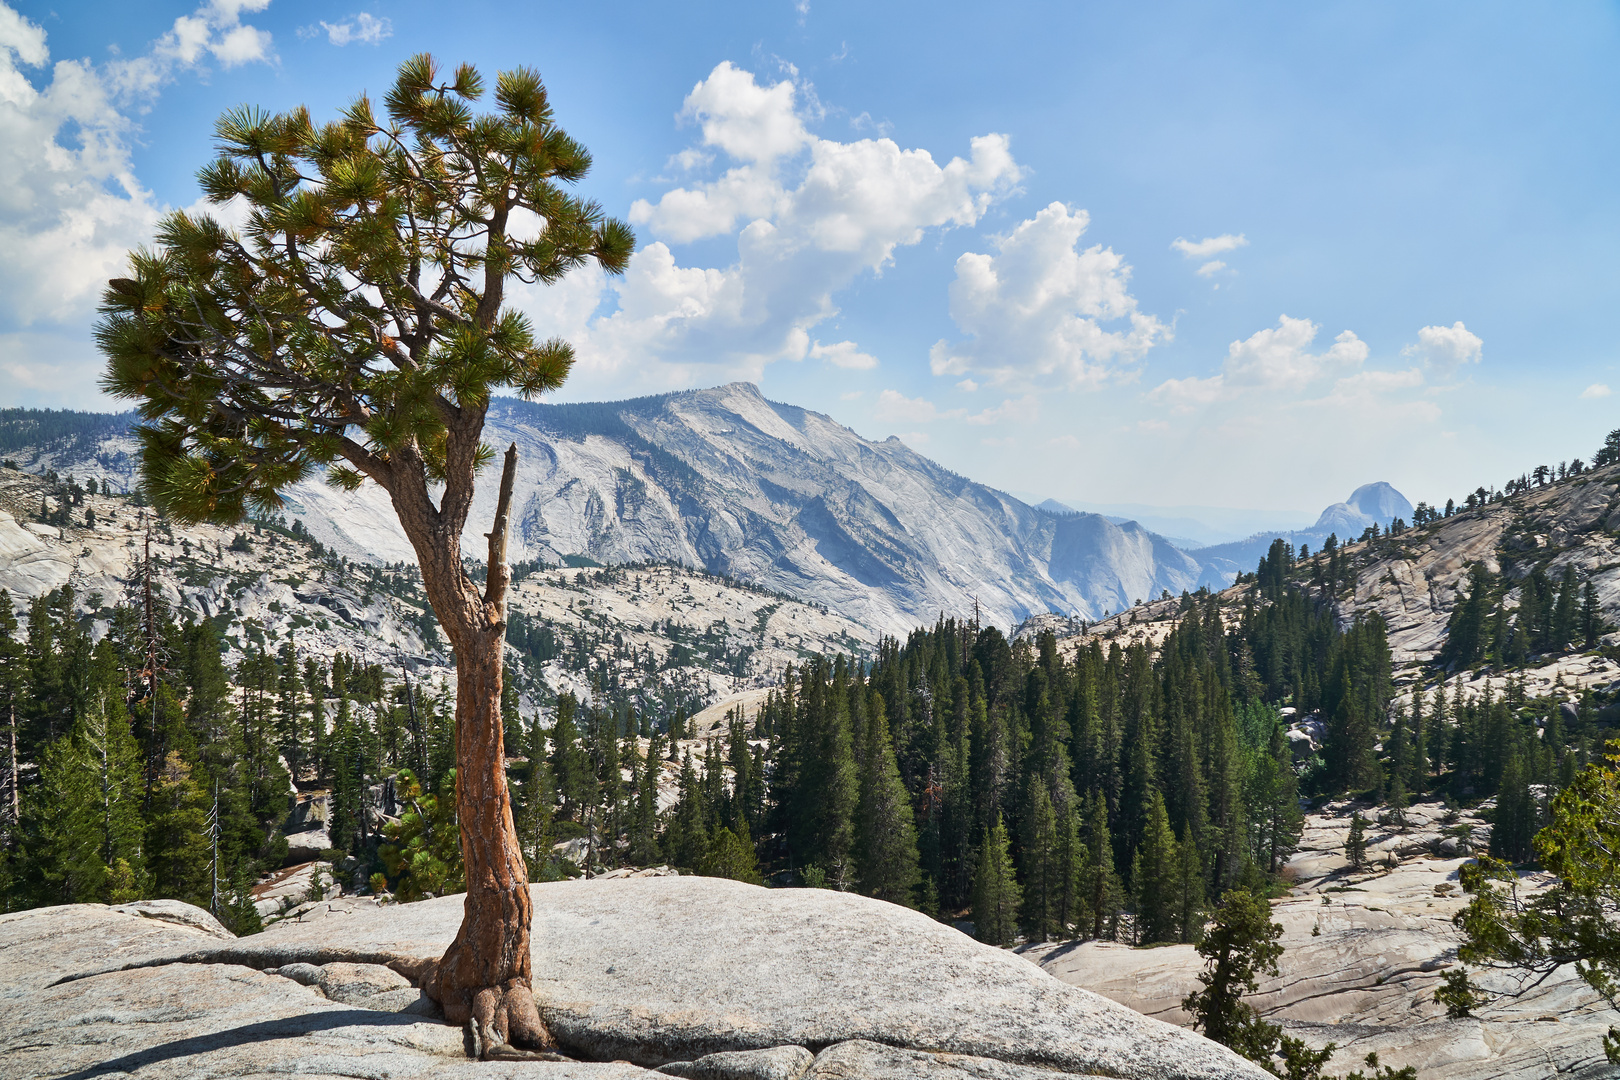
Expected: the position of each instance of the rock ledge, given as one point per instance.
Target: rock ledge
(709, 978)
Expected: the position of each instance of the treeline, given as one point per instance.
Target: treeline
(1547, 618)
(1540, 476)
(1518, 748)
(139, 766)
(1114, 793)
(22, 429)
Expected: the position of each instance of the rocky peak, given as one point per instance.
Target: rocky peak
(1369, 504)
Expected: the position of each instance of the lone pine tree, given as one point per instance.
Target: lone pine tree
(358, 322)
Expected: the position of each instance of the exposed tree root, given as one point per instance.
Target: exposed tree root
(502, 1022)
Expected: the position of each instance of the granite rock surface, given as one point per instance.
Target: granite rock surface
(1364, 951)
(632, 974)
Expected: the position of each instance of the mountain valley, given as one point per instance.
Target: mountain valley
(676, 557)
(727, 482)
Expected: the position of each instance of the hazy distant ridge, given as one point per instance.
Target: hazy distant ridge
(724, 480)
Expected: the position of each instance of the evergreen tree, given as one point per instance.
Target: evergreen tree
(686, 839)
(1348, 747)
(747, 802)
(534, 803)
(1189, 896)
(1465, 629)
(1103, 891)
(885, 841)
(570, 766)
(644, 820)
(1240, 946)
(90, 793)
(1071, 911)
(291, 735)
(1591, 619)
(997, 896)
(13, 689)
(422, 850)
(1272, 793)
(1514, 824)
(1355, 845)
(602, 733)
(830, 785)
(1609, 452)
(1566, 615)
(315, 685)
(1156, 873)
(210, 323)
(177, 837)
(1043, 868)
(1400, 763)
(731, 856)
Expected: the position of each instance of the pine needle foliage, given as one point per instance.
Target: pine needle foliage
(1240, 946)
(1573, 921)
(356, 321)
(422, 852)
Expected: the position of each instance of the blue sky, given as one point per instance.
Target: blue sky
(1158, 253)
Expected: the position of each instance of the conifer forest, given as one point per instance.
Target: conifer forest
(1041, 792)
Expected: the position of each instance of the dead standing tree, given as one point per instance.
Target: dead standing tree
(356, 323)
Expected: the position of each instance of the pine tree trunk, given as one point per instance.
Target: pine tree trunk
(13, 788)
(485, 974)
(483, 980)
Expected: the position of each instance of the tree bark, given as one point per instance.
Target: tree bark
(483, 980)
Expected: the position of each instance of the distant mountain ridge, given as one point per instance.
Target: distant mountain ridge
(1189, 527)
(726, 481)
(1370, 504)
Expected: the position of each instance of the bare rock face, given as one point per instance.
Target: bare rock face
(191, 1020)
(1364, 951)
(177, 913)
(777, 1063)
(645, 971)
(861, 1059)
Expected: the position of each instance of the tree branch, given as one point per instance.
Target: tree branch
(500, 574)
(378, 468)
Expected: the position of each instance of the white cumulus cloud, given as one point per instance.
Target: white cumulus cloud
(1275, 359)
(1042, 310)
(810, 216)
(1446, 348)
(71, 206)
(214, 30)
(1596, 390)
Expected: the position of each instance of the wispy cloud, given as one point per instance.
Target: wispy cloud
(362, 29)
(1210, 245)
(843, 354)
